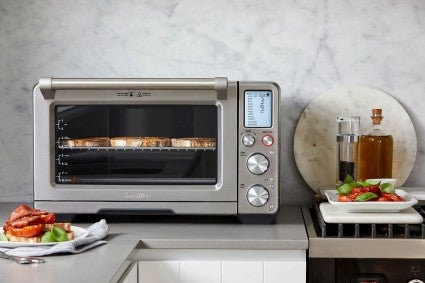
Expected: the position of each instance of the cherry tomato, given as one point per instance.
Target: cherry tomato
(372, 189)
(393, 197)
(344, 198)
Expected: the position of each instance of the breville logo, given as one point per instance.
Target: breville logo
(128, 195)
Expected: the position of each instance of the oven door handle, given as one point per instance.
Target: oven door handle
(48, 86)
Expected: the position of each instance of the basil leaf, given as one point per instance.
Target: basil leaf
(366, 196)
(59, 234)
(348, 179)
(48, 237)
(373, 182)
(345, 189)
(387, 188)
(3, 238)
(365, 183)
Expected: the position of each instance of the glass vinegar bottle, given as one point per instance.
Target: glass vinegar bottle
(375, 150)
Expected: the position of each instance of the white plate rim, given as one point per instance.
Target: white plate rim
(416, 192)
(79, 233)
(372, 206)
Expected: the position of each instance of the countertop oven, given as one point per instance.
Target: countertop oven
(157, 146)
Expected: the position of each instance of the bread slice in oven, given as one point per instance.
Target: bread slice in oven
(141, 141)
(86, 142)
(193, 142)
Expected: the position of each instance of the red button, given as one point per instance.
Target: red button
(267, 140)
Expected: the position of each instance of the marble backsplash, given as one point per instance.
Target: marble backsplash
(307, 47)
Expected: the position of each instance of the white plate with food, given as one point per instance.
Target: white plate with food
(332, 214)
(372, 206)
(79, 233)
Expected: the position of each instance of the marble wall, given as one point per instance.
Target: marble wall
(308, 47)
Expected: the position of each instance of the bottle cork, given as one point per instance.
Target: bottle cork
(376, 116)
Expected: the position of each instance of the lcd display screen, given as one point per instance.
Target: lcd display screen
(258, 109)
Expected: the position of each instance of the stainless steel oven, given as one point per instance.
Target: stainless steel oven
(149, 146)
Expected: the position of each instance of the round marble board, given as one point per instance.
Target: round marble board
(315, 143)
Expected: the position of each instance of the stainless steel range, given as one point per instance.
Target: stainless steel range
(364, 253)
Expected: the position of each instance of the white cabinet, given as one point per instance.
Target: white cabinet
(159, 271)
(221, 266)
(242, 271)
(288, 271)
(200, 271)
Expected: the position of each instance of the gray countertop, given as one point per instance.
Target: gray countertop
(107, 262)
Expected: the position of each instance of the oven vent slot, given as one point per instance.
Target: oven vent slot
(344, 230)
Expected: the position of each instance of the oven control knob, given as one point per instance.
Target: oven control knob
(248, 140)
(257, 164)
(416, 281)
(257, 195)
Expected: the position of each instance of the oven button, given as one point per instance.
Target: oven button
(248, 140)
(267, 140)
(257, 164)
(257, 195)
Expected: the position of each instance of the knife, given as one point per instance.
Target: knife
(22, 259)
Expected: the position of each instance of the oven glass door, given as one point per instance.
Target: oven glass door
(136, 144)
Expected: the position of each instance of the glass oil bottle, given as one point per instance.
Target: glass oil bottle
(376, 150)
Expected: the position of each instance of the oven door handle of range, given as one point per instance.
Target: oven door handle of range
(48, 86)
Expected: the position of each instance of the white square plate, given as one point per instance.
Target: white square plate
(372, 206)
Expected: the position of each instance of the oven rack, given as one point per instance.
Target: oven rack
(112, 179)
(135, 148)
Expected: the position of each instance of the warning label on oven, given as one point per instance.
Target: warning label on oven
(134, 94)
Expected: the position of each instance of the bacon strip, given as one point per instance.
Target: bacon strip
(25, 221)
(24, 210)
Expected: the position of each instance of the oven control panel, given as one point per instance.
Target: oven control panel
(258, 149)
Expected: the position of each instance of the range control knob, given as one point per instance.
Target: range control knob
(257, 195)
(248, 140)
(257, 164)
(416, 281)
